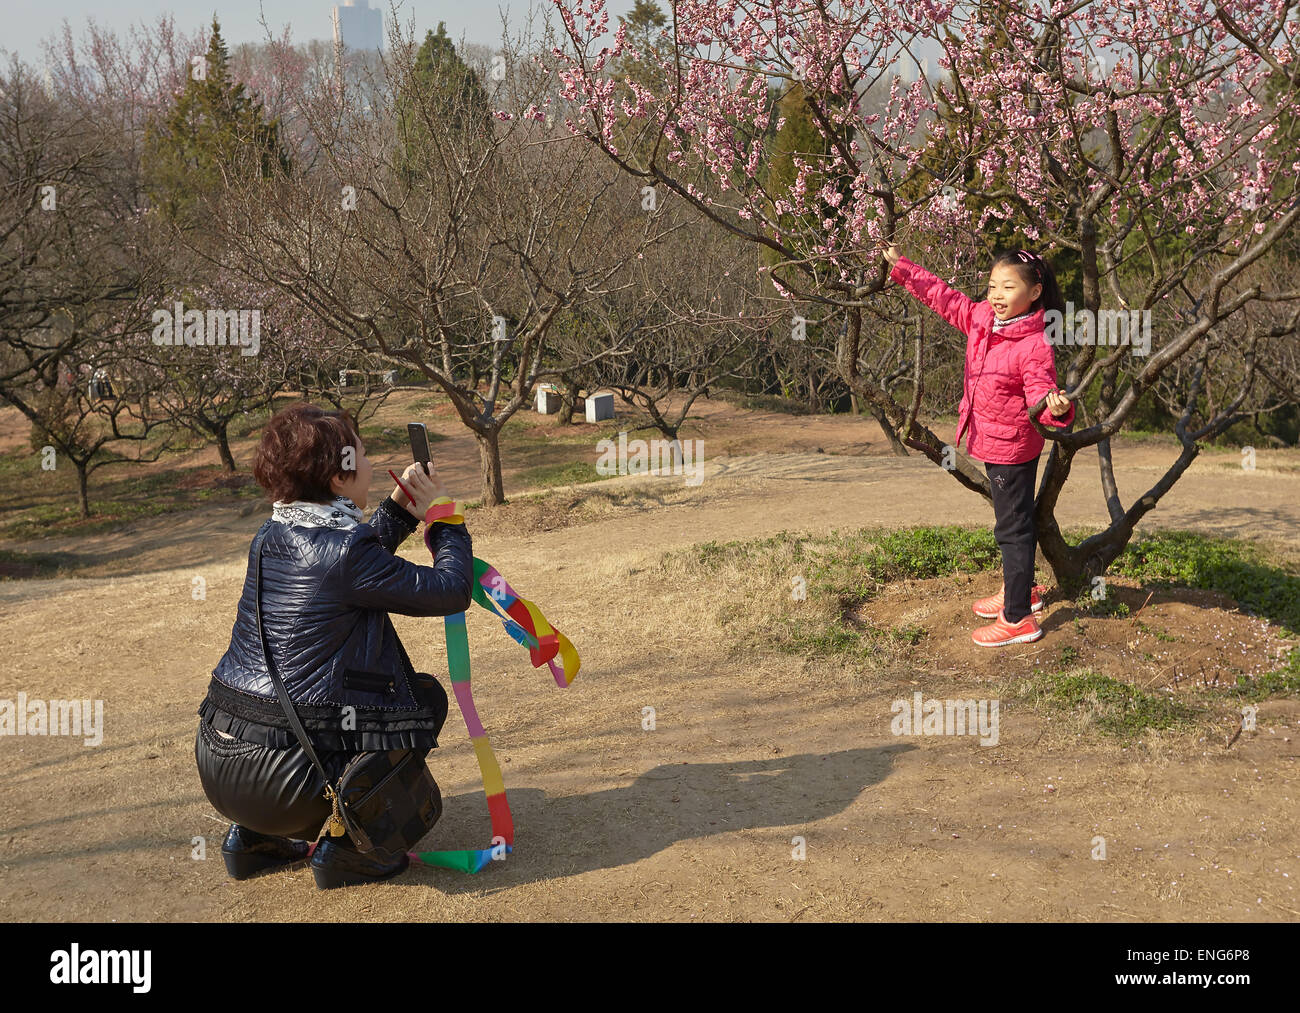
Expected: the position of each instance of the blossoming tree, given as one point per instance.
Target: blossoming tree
(1155, 142)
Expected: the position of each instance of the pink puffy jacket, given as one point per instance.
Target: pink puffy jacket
(1006, 371)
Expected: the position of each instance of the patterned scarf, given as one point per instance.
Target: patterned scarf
(341, 513)
(999, 324)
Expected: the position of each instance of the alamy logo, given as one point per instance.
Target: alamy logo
(53, 717)
(216, 327)
(75, 966)
(662, 457)
(946, 717)
(1105, 327)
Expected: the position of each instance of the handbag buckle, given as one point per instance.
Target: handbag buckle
(336, 825)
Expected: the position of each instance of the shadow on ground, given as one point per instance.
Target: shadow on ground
(663, 806)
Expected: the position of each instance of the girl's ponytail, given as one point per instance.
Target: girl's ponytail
(1035, 271)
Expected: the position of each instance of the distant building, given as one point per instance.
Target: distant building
(358, 26)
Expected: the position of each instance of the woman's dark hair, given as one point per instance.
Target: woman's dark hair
(301, 450)
(1034, 270)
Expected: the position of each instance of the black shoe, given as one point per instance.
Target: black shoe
(247, 852)
(337, 863)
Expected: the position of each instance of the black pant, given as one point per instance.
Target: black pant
(274, 791)
(1013, 511)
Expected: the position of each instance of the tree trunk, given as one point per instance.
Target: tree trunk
(846, 361)
(81, 489)
(223, 447)
(489, 453)
(1074, 568)
(569, 404)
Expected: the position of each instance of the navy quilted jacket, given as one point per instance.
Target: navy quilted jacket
(326, 595)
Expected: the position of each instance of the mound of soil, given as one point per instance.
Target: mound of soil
(1168, 638)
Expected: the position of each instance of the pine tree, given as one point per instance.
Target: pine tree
(801, 140)
(215, 129)
(644, 23)
(441, 89)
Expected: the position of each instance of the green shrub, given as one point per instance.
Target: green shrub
(1229, 566)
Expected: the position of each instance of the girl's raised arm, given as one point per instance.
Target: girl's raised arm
(955, 307)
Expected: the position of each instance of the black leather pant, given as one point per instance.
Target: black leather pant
(271, 791)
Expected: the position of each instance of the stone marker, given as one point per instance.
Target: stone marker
(600, 407)
(548, 400)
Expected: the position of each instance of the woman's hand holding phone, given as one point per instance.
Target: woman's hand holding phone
(425, 489)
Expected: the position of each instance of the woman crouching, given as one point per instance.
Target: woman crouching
(328, 580)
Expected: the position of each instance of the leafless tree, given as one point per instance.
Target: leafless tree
(76, 287)
(440, 240)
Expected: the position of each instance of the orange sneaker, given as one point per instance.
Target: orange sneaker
(988, 608)
(1000, 632)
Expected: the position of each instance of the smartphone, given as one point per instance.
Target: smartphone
(419, 437)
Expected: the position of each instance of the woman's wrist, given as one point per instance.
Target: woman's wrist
(400, 514)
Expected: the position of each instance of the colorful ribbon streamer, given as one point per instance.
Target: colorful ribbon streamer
(526, 625)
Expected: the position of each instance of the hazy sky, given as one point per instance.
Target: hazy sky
(27, 22)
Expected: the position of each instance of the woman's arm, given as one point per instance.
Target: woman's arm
(398, 515)
(374, 578)
(955, 307)
(391, 523)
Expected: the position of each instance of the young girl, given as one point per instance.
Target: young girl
(1009, 367)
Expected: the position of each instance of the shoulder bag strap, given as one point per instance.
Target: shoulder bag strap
(280, 691)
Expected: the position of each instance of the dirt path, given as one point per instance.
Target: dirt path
(696, 819)
(761, 494)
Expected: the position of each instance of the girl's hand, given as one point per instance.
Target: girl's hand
(425, 489)
(1057, 403)
(892, 255)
